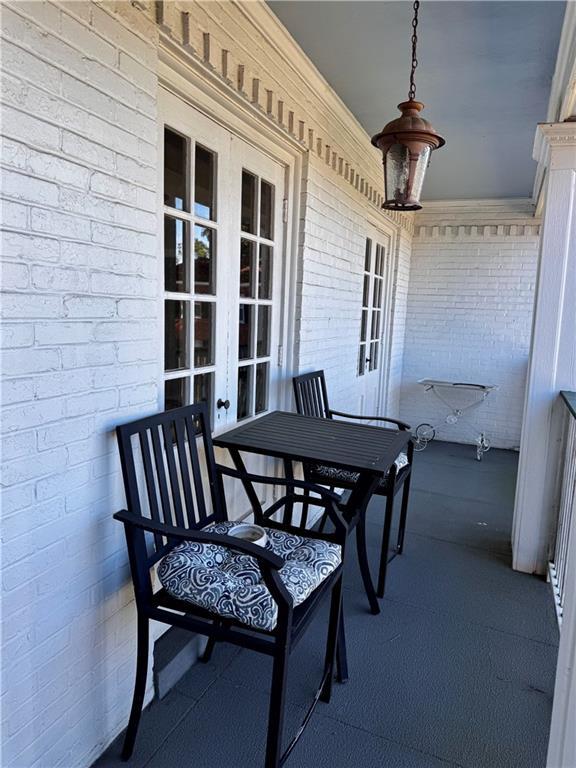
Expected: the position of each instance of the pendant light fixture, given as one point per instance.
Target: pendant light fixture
(406, 144)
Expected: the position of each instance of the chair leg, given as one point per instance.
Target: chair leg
(341, 654)
(332, 640)
(385, 544)
(207, 655)
(363, 563)
(276, 710)
(403, 515)
(139, 688)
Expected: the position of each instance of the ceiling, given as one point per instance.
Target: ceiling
(485, 72)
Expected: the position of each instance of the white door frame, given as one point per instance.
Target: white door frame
(180, 75)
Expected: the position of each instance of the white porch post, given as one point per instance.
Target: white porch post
(552, 364)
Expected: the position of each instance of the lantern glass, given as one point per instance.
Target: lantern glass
(404, 171)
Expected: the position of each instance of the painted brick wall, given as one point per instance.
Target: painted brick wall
(79, 312)
(333, 241)
(80, 317)
(470, 302)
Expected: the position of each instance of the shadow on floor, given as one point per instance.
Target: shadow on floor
(457, 670)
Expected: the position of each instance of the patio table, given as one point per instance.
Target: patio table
(367, 450)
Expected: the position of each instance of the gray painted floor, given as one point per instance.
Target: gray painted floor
(457, 670)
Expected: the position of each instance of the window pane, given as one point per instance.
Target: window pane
(247, 248)
(204, 183)
(245, 331)
(248, 216)
(203, 333)
(204, 260)
(203, 388)
(376, 292)
(367, 255)
(263, 336)
(266, 210)
(244, 391)
(381, 268)
(176, 263)
(265, 273)
(366, 290)
(261, 387)
(361, 359)
(364, 325)
(175, 393)
(374, 356)
(378, 258)
(175, 335)
(175, 170)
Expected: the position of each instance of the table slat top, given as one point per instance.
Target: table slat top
(343, 444)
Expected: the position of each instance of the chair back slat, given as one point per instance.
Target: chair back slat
(149, 477)
(192, 428)
(159, 461)
(179, 428)
(311, 394)
(167, 469)
(168, 436)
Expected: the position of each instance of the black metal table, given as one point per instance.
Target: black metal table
(369, 451)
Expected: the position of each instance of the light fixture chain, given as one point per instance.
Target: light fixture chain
(412, 91)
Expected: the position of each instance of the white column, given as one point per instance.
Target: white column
(552, 364)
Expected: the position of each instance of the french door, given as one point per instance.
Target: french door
(223, 268)
(373, 349)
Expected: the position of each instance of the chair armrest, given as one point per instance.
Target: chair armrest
(401, 424)
(328, 499)
(205, 537)
(287, 482)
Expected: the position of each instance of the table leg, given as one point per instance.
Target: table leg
(248, 487)
(355, 513)
(289, 508)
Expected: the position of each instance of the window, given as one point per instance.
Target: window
(190, 248)
(372, 299)
(255, 310)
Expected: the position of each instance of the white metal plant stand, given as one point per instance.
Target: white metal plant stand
(424, 432)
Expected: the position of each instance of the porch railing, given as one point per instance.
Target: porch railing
(567, 506)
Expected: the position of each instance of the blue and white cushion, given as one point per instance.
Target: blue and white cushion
(229, 584)
(334, 474)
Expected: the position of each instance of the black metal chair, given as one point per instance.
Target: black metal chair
(177, 519)
(312, 400)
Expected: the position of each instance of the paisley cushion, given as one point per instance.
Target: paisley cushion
(229, 583)
(346, 476)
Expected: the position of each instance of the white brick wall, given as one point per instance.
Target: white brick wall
(470, 300)
(81, 308)
(79, 265)
(334, 228)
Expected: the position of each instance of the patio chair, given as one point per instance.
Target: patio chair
(311, 397)
(213, 583)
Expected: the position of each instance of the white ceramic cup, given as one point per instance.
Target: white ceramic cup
(248, 532)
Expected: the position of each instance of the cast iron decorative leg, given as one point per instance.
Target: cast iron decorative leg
(363, 563)
(385, 544)
(341, 655)
(139, 688)
(276, 711)
(332, 640)
(403, 515)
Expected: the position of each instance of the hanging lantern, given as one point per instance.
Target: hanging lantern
(406, 144)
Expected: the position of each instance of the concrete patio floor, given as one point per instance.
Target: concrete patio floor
(457, 670)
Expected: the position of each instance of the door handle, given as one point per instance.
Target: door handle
(223, 404)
